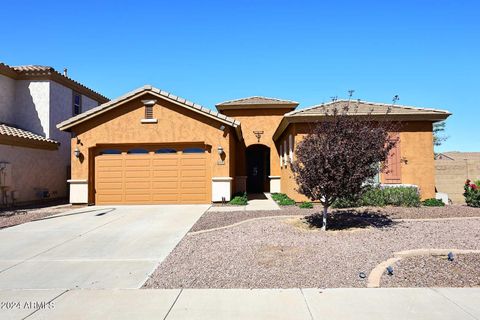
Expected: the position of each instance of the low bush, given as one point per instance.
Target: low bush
(282, 199)
(239, 199)
(382, 196)
(472, 193)
(306, 205)
(432, 202)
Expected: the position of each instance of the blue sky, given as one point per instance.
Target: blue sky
(427, 52)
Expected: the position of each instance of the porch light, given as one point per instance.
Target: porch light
(76, 152)
(220, 150)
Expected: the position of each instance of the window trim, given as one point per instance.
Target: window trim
(74, 94)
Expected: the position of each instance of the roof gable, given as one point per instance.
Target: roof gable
(361, 108)
(358, 107)
(147, 89)
(256, 102)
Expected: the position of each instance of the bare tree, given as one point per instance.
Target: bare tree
(340, 154)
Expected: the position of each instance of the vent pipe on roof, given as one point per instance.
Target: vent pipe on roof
(65, 71)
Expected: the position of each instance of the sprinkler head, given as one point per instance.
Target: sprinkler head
(450, 256)
(390, 270)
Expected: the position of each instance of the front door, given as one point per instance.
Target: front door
(258, 168)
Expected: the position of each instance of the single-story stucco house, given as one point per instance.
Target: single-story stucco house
(150, 146)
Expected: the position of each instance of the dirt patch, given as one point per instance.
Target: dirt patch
(435, 271)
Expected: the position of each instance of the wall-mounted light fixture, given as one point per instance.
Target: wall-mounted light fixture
(76, 152)
(222, 127)
(220, 153)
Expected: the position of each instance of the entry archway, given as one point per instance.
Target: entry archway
(257, 168)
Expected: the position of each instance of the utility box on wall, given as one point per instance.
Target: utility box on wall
(6, 175)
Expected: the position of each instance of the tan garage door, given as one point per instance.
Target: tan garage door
(151, 178)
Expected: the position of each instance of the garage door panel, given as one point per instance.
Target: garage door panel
(156, 162)
(165, 173)
(111, 175)
(193, 184)
(152, 178)
(137, 174)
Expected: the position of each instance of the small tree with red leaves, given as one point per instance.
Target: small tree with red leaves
(341, 153)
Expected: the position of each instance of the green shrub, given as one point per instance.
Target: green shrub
(432, 202)
(306, 205)
(282, 199)
(239, 199)
(380, 197)
(472, 193)
(402, 196)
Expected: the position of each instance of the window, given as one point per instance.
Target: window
(110, 151)
(166, 150)
(193, 150)
(137, 151)
(290, 148)
(77, 103)
(281, 156)
(149, 111)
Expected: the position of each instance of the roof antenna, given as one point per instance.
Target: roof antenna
(350, 94)
(65, 71)
(395, 99)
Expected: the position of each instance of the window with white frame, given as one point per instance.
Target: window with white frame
(281, 156)
(290, 148)
(77, 103)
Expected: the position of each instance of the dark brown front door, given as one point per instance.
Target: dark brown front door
(258, 168)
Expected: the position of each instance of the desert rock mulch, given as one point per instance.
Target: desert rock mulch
(212, 220)
(276, 253)
(13, 216)
(435, 271)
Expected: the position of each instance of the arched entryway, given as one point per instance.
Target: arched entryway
(258, 168)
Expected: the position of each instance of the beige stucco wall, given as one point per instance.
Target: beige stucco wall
(416, 148)
(34, 170)
(176, 125)
(451, 176)
(266, 120)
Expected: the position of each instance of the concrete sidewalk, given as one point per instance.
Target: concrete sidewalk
(402, 303)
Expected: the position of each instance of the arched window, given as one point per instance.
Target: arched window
(166, 150)
(137, 151)
(110, 151)
(193, 150)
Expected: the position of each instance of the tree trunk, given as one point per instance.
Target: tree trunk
(324, 225)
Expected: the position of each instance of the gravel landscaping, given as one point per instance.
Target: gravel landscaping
(13, 216)
(287, 253)
(435, 271)
(219, 219)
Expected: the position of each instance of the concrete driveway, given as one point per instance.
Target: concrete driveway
(93, 247)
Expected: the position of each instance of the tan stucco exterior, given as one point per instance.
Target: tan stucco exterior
(417, 159)
(122, 126)
(178, 123)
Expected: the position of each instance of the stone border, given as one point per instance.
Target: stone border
(376, 274)
(240, 223)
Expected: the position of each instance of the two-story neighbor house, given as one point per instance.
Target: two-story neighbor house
(34, 154)
(150, 146)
